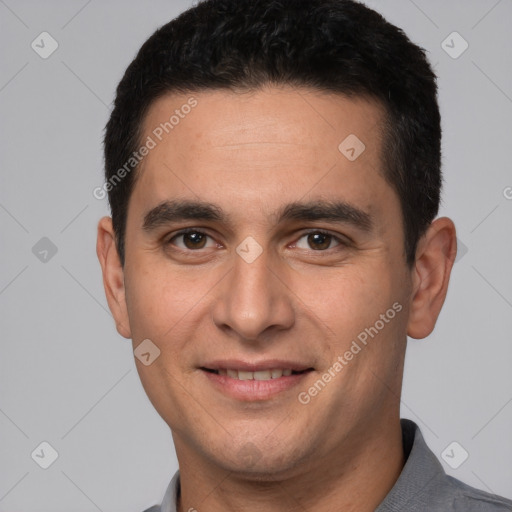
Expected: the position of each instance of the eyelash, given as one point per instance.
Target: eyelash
(341, 241)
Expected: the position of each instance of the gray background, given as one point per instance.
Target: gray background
(67, 378)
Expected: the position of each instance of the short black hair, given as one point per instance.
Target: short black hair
(338, 46)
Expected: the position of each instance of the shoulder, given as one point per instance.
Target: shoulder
(154, 508)
(424, 486)
(469, 499)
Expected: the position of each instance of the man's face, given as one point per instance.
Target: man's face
(267, 277)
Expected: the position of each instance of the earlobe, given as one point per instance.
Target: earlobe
(113, 275)
(435, 256)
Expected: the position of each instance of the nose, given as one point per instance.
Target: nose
(253, 300)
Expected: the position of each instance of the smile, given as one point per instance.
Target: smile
(254, 382)
(275, 373)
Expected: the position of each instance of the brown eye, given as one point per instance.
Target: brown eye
(317, 241)
(194, 240)
(190, 240)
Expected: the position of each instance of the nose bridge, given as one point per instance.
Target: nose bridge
(251, 283)
(253, 299)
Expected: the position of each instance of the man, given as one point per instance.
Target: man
(273, 170)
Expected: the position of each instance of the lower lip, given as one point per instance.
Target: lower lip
(252, 390)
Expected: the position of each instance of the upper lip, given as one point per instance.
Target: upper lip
(256, 366)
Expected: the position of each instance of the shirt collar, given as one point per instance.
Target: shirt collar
(169, 503)
(418, 475)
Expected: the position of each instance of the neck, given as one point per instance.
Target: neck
(354, 477)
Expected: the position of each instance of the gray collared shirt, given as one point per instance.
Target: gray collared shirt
(423, 486)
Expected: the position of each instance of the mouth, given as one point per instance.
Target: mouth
(274, 373)
(254, 381)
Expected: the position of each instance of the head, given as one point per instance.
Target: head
(298, 143)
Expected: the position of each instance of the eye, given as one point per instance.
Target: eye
(318, 241)
(191, 240)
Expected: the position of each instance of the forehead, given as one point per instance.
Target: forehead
(272, 115)
(263, 147)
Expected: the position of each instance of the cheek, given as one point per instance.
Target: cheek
(153, 301)
(163, 299)
(347, 298)
(353, 310)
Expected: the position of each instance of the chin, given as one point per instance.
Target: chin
(260, 462)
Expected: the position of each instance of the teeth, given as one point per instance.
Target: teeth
(275, 373)
(262, 375)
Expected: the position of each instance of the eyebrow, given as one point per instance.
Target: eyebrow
(173, 211)
(333, 211)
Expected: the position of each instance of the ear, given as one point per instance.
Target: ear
(435, 256)
(113, 275)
